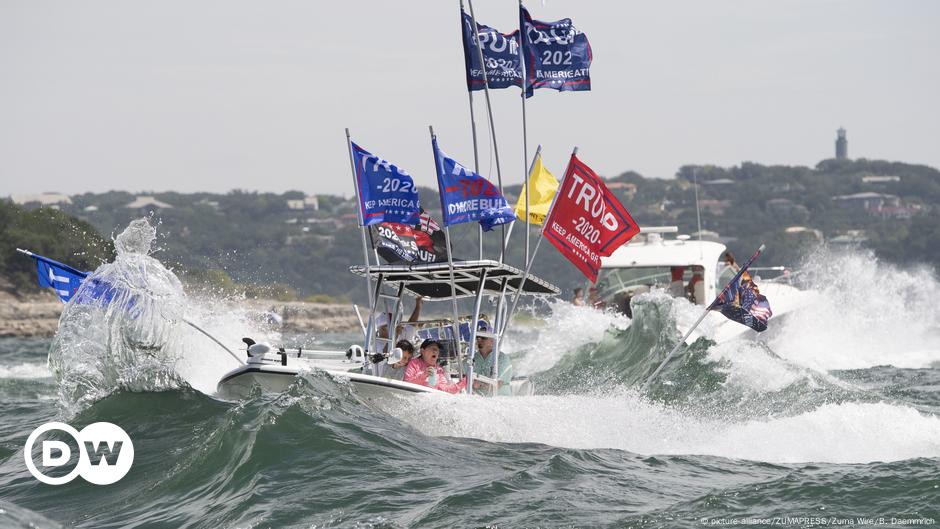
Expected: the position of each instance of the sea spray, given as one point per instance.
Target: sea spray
(122, 328)
(868, 313)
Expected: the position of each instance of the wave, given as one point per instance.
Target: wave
(25, 371)
(834, 433)
(867, 313)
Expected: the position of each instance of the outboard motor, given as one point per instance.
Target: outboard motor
(355, 353)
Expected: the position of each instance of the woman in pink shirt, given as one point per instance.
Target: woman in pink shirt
(423, 370)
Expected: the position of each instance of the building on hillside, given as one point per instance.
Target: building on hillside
(308, 202)
(849, 238)
(52, 200)
(877, 204)
(842, 145)
(148, 203)
(716, 207)
(786, 207)
(627, 188)
(718, 182)
(803, 230)
(880, 179)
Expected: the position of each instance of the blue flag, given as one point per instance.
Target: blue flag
(557, 55)
(467, 196)
(66, 282)
(387, 193)
(500, 52)
(64, 279)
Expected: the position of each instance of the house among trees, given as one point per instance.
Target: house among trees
(877, 204)
(147, 203)
(627, 189)
(52, 200)
(308, 202)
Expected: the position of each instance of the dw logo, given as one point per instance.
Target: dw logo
(105, 453)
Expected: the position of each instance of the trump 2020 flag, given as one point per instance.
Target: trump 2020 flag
(556, 55)
(742, 302)
(467, 196)
(587, 221)
(387, 193)
(500, 52)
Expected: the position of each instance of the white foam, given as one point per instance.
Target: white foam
(835, 433)
(750, 365)
(25, 371)
(566, 329)
(868, 314)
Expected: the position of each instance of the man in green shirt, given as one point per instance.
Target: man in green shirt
(484, 363)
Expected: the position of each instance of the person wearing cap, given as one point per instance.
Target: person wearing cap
(404, 331)
(425, 371)
(484, 363)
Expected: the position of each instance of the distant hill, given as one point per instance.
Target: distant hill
(47, 232)
(293, 246)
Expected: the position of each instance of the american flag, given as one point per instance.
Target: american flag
(742, 302)
(427, 224)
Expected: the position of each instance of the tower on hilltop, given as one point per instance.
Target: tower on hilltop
(842, 145)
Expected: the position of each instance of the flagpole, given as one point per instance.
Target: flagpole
(528, 266)
(526, 181)
(525, 133)
(362, 226)
(473, 131)
(489, 110)
(450, 258)
(702, 317)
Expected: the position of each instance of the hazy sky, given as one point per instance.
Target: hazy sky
(213, 96)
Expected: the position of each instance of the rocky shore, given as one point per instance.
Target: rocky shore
(38, 316)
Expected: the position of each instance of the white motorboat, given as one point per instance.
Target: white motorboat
(274, 370)
(652, 261)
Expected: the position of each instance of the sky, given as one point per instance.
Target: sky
(219, 95)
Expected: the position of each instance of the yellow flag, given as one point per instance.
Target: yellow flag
(541, 191)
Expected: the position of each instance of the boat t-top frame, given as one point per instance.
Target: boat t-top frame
(447, 282)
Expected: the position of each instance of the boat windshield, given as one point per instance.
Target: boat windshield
(617, 286)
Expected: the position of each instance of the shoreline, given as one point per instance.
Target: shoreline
(38, 316)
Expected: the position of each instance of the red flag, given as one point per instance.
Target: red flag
(587, 221)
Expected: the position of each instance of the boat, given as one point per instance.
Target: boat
(275, 369)
(653, 261)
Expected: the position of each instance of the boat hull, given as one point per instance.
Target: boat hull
(239, 383)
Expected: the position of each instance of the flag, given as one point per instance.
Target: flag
(587, 221)
(500, 52)
(467, 196)
(64, 279)
(400, 243)
(386, 192)
(742, 302)
(542, 187)
(556, 55)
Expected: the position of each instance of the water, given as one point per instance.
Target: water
(836, 419)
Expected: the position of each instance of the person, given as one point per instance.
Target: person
(396, 371)
(727, 267)
(696, 288)
(594, 298)
(578, 300)
(484, 363)
(402, 331)
(424, 370)
(676, 288)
